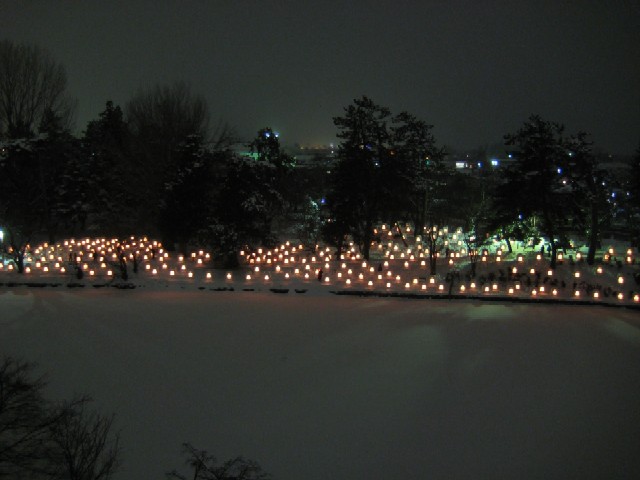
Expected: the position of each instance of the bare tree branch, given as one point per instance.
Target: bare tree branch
(30, 83)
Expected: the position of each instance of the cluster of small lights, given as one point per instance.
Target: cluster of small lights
(401, 260)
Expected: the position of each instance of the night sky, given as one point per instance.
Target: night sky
(475, 69)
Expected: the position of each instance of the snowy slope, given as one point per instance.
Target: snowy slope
(319, 387)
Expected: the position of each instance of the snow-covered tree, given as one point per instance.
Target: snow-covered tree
(39, 195)
(534, 185)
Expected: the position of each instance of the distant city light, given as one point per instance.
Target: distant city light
(494, 163)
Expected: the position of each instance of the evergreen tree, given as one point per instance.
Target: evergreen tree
(37, 194)
(355, 200)
(534, 183)
(109, 174)
(414, 171)
(187, 196)
(589, 188)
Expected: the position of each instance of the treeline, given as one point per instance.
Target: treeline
(157, 166)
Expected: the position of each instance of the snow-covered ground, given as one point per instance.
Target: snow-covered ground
(316, 386)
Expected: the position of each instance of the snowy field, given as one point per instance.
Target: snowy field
(326, 387)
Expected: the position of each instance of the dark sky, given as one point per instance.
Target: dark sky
(475, 69)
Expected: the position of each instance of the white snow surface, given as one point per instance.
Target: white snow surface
(315, 386)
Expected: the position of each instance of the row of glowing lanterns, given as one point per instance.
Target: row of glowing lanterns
(147, 251)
